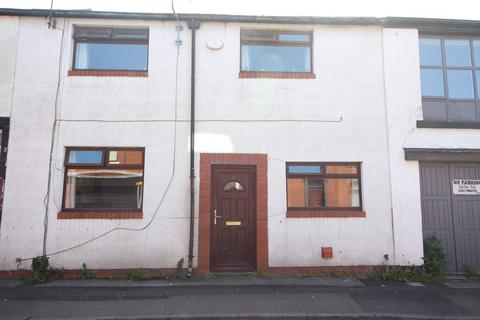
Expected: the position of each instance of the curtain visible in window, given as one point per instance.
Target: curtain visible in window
(307, 60)
(104, 188)
(82, 56)
(245, 58)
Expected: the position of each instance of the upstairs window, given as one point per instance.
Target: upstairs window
(450, 76)
(102, 179)
(323, 186)
(276, 51)
(98, 48)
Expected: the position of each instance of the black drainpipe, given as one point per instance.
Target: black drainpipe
(192, 25)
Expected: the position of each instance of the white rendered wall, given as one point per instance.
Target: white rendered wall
(348, 93)
(31, 121)
(82, 99)
(403, 100)
(347, 102)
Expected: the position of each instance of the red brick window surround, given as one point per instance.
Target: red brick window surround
(326, 214)
(102, 215)
(107, 73)
(206, 162)
(275, 75)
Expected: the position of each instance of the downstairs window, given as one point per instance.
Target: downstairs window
(320, 186)
(103, 179)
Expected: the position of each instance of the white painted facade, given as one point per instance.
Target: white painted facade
(365, 101)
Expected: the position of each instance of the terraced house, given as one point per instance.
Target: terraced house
(240, 143)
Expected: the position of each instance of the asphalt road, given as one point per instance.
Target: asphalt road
(239, 299)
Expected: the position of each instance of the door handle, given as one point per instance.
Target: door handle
(215, 216)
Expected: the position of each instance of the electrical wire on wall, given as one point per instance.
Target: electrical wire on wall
(52, 143)
(46, 200)
(339, 119)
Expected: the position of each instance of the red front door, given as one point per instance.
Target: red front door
(233, 219)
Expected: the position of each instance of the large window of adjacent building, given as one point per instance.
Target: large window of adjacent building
(276, 51)
(450, 75)
(323, 186)
(99, 48)
(103, 179)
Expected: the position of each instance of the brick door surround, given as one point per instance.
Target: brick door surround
(261, 164)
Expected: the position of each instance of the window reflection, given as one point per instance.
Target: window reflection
(323, 193)
(122, 157)
(108, 56)
(333, 185)
(430, 52)
(275, 58)
(457, 53)
(476, 53)
(85, 157)
(432, 83)
(103, 189)
(460, 84)
(304, 169)
(276, 51)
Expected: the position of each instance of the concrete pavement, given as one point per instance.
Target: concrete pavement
(239, 297)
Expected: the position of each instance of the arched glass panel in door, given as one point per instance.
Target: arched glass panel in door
(233, 186)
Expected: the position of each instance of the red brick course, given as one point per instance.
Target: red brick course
(100, 215)
(326, 214)
(104, 73)
(155, 273)
(276, 75)
(206, 162)
(334, 271)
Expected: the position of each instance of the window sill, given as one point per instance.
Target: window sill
(448, 124)
(105, 73)
(100, 215)
(275, 75)
(326, 214)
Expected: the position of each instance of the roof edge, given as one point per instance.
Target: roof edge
(423, 24)
(189, 16)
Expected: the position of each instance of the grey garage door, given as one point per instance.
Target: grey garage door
(453, 217)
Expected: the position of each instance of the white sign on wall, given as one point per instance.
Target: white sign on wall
(466, 187)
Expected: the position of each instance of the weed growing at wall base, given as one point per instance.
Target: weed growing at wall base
(178, 272)
(42, 272)
(434, 259)
(471, 273)
(433, 269)
(136, 275)
(84, 273)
